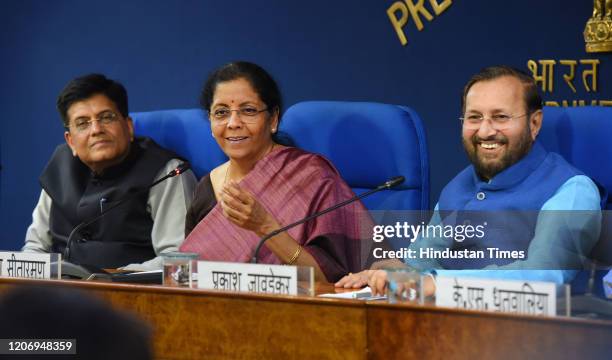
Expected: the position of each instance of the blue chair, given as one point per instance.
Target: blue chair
(368, 143)
(582, 135)
(186, 132)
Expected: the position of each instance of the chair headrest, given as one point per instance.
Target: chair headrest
(582, 135)
(184, 131)
(368, 142)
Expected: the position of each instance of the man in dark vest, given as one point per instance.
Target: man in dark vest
(102, 163)
(530, 214)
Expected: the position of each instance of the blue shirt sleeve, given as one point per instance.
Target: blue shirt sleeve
(562, 238)
(607, 283)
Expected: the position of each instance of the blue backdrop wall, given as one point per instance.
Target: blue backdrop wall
(317, 50)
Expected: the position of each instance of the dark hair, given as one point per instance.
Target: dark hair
(52, 312)
(533, 100)
(263, 84)
(87, 86)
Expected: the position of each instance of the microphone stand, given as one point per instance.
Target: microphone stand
(387, 185)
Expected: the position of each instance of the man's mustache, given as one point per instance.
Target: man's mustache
(475, 139)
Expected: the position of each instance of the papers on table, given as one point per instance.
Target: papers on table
(362, 294)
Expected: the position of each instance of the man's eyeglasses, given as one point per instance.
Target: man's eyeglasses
(498, 121)
(247, 114)
(84, 124)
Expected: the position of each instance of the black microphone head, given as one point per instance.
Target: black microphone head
(394, 181)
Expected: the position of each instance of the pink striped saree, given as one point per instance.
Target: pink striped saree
(291, 184)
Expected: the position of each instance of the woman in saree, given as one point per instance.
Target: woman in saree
(265, 185)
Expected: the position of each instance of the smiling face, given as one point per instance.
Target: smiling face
(242, 140)
(491, 150)
(100, 145)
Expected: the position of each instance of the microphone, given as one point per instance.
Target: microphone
(181, 168)
(387, 185)
(393, 182)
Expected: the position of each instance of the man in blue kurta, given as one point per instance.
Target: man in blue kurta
(514, 189)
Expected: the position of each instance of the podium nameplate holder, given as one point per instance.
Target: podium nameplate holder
(507, 296)
(256, 278)
(16, 264)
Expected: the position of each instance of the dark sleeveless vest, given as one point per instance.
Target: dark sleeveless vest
(509, 204)
(123, 235)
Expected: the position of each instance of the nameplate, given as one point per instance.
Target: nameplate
(508, 296)
(258, 278)
(25, 265)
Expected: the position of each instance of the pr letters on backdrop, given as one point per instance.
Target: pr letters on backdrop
(408, 9)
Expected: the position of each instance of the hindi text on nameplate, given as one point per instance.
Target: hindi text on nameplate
(259, 278)
(25, 265)
(508, 296)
